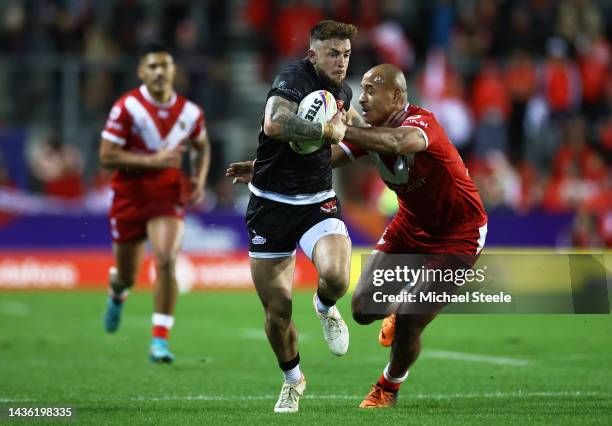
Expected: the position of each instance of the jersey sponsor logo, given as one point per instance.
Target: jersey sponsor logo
(115, 112)
(258, 240)
(282, 86)
(329, 207)
(114, 125)
(415, 119)
(402, 189)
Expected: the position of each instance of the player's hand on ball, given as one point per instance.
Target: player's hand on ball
(242, 172)
(395, 119)
(334, 129)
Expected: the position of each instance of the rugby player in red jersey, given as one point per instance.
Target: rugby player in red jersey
(147, 130)
(441, 220)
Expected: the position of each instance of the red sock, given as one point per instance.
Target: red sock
(387, 385)
(161, 332)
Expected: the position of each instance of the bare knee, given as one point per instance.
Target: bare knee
(335, 277)
(166, 263)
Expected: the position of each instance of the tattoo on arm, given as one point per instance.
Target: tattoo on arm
(285, 124)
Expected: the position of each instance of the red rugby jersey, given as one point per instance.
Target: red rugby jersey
(437, 197)
(142, 125)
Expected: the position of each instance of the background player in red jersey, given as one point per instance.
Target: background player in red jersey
(147, 130)
(441, 219)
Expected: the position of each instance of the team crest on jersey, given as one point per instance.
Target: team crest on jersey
(330, 207)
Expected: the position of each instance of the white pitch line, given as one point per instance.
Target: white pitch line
(408, 396)
(489, 359)
(518, 394)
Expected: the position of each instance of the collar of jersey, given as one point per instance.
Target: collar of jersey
(145, 92)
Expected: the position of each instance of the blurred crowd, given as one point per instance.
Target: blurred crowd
(522, 87)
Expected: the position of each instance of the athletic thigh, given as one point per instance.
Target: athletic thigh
(165, 234)
(332, 257)
(273, 279)
(374, 283)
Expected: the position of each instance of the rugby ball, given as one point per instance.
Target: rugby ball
(318, 107)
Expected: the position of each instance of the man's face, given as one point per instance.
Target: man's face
(157, 72)
(376, 100)
(331, 58)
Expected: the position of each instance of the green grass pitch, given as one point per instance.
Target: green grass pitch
(474, 369)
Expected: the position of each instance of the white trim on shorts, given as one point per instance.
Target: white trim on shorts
(326, 227)
(483, 236)
(269, 255)
(296, 200)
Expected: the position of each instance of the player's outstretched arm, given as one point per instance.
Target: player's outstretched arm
(384, 140)
(200, 164)
(113, 156)
(282, 123)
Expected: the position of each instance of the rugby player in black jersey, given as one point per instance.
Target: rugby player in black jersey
(292, 201)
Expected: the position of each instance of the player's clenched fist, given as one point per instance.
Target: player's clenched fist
(334, 129)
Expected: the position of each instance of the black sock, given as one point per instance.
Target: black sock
(289, 365)
(325, 300)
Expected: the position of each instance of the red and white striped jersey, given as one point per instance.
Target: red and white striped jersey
(142, 125)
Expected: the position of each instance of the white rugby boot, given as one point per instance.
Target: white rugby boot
(335, 330)
(289, 398)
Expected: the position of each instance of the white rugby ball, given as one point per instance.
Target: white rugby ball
(318, 107)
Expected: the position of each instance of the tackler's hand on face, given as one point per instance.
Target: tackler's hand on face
(334, 129)
(395, 119)
(242, 172)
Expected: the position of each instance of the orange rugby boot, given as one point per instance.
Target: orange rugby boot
(387, 331)
(379, 398)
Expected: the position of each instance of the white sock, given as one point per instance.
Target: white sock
(294, 375)
(394, 379)
(163, 320)
(321, 307)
